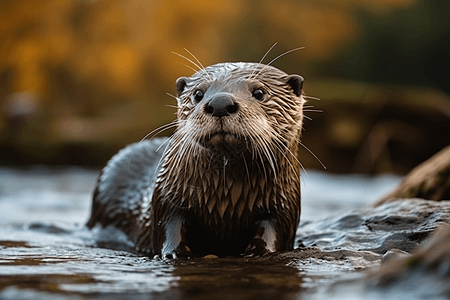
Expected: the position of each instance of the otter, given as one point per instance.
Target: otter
(227, 182)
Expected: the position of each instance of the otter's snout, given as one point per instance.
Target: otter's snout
(221, 105)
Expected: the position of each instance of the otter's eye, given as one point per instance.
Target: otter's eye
(258, 94)
(198, 95)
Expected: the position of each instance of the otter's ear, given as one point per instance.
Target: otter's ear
(181, 84)
(296, 83)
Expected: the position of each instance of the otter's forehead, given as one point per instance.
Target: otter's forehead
(237, 69)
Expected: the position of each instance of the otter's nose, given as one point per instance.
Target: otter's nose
(221, 106)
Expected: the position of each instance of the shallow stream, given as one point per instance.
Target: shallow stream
(47, 253)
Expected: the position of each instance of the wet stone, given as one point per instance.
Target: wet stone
(426, 271)
(402, 224)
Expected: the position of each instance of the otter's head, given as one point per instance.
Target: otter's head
(234, 107)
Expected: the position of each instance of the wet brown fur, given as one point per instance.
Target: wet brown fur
(221, 177)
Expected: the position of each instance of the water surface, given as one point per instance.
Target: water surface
(47, 252)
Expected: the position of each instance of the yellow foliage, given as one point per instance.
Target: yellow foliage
(112, 44)
(26, 57)
(121, 66)
(323, 29)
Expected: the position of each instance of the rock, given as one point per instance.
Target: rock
(401, 224)
(430, 180)
(426, 272)
(411, 237)
(428, 267)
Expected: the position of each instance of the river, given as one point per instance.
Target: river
(46, 252)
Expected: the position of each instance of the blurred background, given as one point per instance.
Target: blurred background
(80, 79)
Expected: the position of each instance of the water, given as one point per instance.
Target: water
(47, 253)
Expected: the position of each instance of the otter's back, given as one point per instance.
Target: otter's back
(125, 186)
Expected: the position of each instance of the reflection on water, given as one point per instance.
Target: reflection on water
(46, 252)
(237, 279)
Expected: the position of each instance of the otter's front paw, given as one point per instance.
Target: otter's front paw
(264, 241)
(257, 247)
(183, 250)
